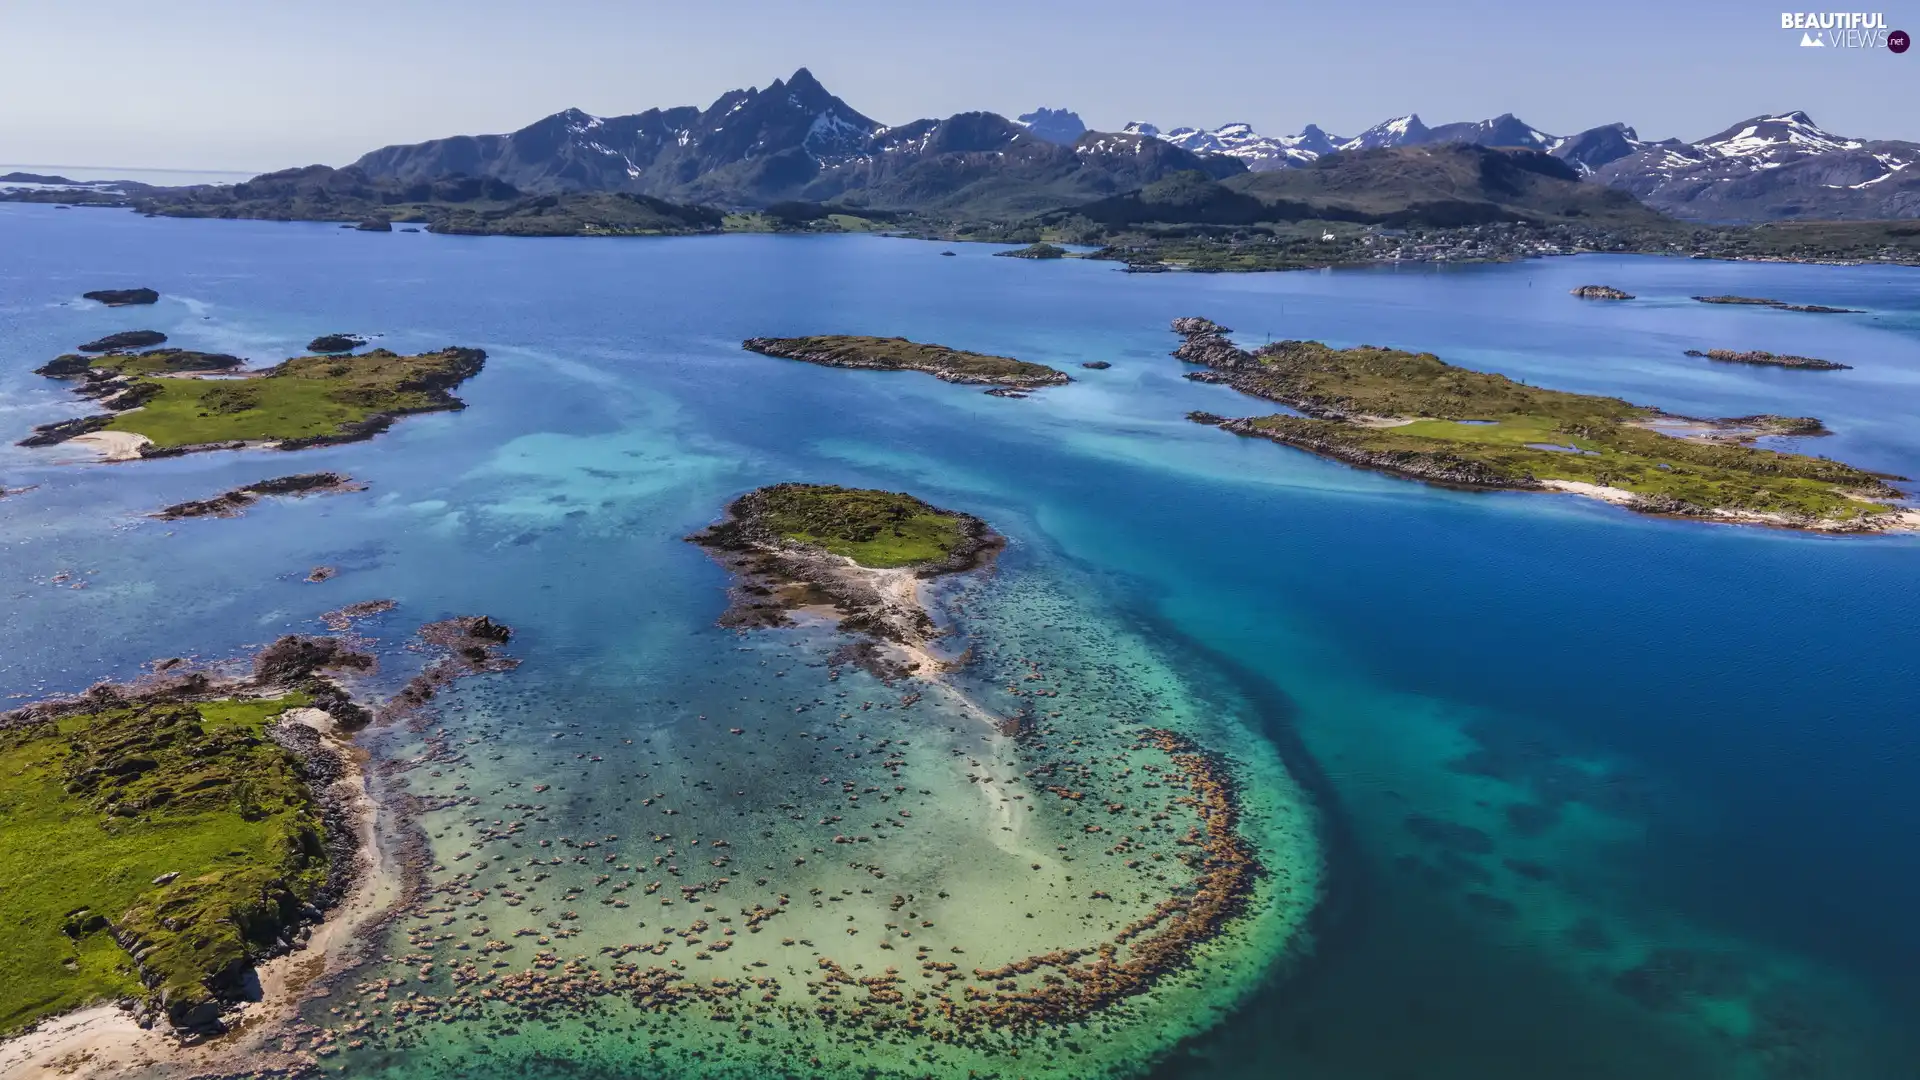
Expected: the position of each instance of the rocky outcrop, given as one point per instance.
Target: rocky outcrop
(1756, 356)
(335, 343)
(1601, 292)
(1096, 365)
(375, 225)
(123, 297)
(125, 339)
(1206, 343)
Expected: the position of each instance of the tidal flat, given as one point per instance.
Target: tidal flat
(1487, 841)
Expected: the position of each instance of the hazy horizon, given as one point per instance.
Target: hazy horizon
(252, 89)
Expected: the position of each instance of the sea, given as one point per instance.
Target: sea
(1538, 787)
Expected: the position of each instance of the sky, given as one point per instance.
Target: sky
(212, 84)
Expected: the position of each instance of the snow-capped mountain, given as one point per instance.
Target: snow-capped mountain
(1772, 167)
(1399, 131)
(1062, 127)
(1263, 152)
(1595, 147)
(1259, 152)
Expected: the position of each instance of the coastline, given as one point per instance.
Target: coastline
(104, 1039)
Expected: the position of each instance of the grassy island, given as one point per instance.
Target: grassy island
(305, 401)
(149, 850)
(899, 354)
(873, 528)
(851, 550)
(1416, 415)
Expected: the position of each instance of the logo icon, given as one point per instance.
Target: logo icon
(1808, 41)
(1897, 41)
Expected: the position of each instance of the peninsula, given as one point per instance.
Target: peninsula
(851, 554)
(899, 354)
(159, 405)
(1414, 415)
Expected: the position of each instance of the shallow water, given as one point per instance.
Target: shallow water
(1603, 796)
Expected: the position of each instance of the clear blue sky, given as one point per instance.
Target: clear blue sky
(266, 84)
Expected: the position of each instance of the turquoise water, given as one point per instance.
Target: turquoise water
(1598, 795)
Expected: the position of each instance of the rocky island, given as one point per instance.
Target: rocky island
(1601, 292)
(899, 354)
(335, 343)
(850, 554)
(122, 297)
(1038, 250)
(1756, 301)
(1756, 356)
(1414, 415)
(160, 405)
(125, 339)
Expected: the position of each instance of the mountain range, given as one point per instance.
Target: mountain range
(794, 141)
(1771, 167)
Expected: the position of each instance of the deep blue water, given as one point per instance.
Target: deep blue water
(1715, 722)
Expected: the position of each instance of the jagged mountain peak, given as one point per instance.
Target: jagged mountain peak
(1060, 126)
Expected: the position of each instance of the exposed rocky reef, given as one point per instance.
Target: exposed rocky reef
(899, 354)
(1601, 292)
(1756, 356)
(234, 503)
(1780, 304)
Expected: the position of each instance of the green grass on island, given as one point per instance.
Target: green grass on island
(318, 398)
(881, 529)
(95, 808)
(1415, 414)
(899, 354)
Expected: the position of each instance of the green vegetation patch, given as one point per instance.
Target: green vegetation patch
(1500, 431)
(96, 808)
(899, 354)
(873, 528)
(1373, 381)
(303, 401)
